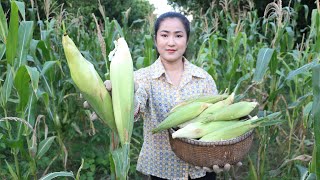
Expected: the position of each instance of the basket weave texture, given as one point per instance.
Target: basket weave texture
(207, 154)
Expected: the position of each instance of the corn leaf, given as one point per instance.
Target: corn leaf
(312, 176)
(24, 38)
(47, 66)
(121, 161)
(303, 172)
(21, 8)
(149, 52)
(316, 114)
(3, 26)
(7, 86)
(13, 174)
(57, 174)
(12, 42)
(44, 146)
(21, 83)
(252, 170)
(30, 110)
(303, 69)
(2, 50)
(264, 57)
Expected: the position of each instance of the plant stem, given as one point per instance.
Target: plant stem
(14, 151)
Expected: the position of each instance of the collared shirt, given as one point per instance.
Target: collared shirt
(155, 97)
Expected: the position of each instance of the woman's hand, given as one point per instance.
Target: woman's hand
(217, 169)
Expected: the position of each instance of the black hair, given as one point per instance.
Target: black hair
(166, 15)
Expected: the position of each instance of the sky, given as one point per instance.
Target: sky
(161, 6)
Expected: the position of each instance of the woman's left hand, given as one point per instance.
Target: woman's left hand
(217, 169)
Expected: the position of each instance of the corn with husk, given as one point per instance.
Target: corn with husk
(213, 108)
(199, 129)
(89, 82)
(122, 80)
(232, 111)
(208, 99)
(240, 128)
(181, 115)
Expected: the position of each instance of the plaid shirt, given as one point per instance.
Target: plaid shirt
(155, 97)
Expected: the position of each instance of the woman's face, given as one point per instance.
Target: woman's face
(171, 40)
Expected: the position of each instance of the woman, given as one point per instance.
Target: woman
(168, 81)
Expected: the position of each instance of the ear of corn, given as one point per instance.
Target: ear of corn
(89, 82)
(199, 129)
(213, 108)
(218, 105)
(208, 99)
(233, 111)
(242, 127)
(182, 115)
(121, 76)
(232, 131)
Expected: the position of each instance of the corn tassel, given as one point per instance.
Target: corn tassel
(121, 75)
(233, 111)
(182, 115)
(89, 82)
(199, 129)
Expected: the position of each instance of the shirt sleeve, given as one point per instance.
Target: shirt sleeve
(140, 97)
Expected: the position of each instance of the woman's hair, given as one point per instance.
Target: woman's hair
(166, 15)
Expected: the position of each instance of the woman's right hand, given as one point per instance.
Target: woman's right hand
(86, 104)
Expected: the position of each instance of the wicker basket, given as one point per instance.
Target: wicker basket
(207, 154)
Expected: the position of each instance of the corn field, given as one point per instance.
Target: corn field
(45, 132)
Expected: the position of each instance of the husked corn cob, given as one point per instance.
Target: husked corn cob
(199, 129)
(89, 82)
(233, 111)
(182, 115)
(121, 76)
(208, 99)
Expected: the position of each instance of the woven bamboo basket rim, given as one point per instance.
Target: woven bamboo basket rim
(214, 143)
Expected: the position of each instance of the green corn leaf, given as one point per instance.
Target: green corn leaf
(121, 161)
(57, 174)
(21, 8)
(7, 86)
(47, 66)
(24, 75)
(24, 39)
(30, 110)
(44, 146)
(34, 76)
(252, 170)
(13, 174)
(312, 176)
(303, 69)
(3, 26)
(21, 83)
(12, 40)
(264, 57)
(316, 114)
(2, 50)
(303, 172)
